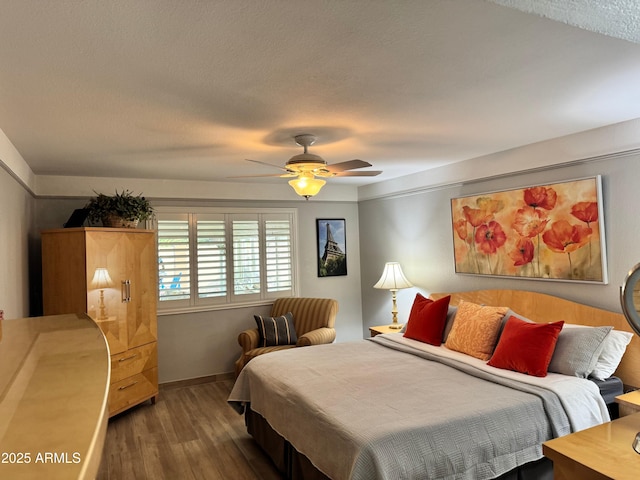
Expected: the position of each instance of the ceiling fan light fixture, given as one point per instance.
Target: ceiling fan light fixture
(307, 157)
(307, 166)
(306, 185)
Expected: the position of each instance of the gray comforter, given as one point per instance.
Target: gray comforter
(376, 409)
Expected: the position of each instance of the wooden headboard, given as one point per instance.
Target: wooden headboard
(547, 308)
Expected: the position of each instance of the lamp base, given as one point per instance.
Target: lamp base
(395, 326)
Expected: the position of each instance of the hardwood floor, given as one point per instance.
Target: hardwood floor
(190, 433)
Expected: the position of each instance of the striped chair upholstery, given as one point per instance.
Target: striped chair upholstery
(313, 319)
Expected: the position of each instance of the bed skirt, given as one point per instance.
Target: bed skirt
(295, 466)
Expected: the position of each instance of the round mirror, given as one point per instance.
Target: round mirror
(630, 298)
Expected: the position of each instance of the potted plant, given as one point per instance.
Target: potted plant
(120, 210)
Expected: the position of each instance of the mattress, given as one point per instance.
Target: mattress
(610, 389)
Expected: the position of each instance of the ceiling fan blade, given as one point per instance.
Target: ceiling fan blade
(259, 176)
(268, 164)
(365, 173)
(348, 165)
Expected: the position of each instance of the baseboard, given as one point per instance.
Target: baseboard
(198, 380)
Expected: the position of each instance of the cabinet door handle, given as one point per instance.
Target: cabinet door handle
(124, 387)
(126, 291)
(130, 357)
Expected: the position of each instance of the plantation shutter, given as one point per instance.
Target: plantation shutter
(278, 253)
(174, 259)
(212, 256)
(246, 255)
(209, 258)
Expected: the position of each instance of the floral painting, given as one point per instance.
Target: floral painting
(553, 232)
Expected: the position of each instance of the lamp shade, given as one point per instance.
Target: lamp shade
(392, 278)
(101, 279)
(306, 185)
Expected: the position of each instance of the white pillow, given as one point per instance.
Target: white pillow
(615, 345)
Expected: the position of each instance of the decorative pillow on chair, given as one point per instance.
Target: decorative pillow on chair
(475, 329)
(427, 319)
(276, 330)
(526, 347)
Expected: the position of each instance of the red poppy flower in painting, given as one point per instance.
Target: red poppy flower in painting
(490, 237)
(543, 197)
(461, 228)
(530, 222)
(476, 216)
(563, 237)
(523, 253)
(585, 211)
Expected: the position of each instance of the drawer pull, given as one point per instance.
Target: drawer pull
(124, 387)
(128, 358)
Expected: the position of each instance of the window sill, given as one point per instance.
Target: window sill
(210, 308)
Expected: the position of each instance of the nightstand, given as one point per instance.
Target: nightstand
(602, 452)
(383, 329)
(629, 403)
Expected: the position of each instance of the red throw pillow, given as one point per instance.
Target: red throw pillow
(526, 347)
(427, 319)
(419, 302)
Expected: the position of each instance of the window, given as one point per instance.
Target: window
(211, 257)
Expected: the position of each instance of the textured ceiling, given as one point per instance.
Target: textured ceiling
(188, 90)
(617, 18)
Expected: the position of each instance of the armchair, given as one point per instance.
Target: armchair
(313, 319)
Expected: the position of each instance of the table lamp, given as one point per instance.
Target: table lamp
(393, 279)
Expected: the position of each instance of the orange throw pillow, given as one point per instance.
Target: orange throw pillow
(475, 329)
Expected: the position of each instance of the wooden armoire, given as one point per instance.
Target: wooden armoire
(127, 311)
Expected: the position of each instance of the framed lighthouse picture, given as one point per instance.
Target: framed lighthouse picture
(332, 247)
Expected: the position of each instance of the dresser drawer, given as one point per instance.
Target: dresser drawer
(133, 390)
(133, 361)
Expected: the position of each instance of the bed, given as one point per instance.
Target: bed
(395, 407)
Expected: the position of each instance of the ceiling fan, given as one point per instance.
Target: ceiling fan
(306, 166)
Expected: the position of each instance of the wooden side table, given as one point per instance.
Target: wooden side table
(629, 403)
(597, 453)
(382, 329)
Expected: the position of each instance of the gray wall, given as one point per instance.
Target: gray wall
(199, 344)
(16, 236)
(416, 231)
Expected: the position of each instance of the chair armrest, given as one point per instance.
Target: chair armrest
(249, 339)
(317, 337)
